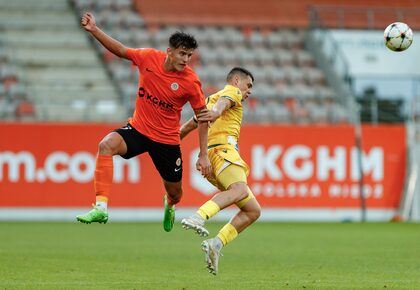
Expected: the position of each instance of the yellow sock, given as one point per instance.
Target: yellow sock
(209, 209)
(227, 234)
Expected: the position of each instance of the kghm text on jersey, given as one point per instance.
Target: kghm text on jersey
(155, 100)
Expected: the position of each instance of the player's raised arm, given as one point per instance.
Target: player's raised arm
(89, 24)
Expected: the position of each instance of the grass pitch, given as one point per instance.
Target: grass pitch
(266, 256)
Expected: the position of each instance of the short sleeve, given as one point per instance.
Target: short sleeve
(197, 100)
(233, 94)
(136, 55)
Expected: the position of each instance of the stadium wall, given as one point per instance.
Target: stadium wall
(298, 173)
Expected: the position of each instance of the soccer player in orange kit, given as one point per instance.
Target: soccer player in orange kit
(166, 84)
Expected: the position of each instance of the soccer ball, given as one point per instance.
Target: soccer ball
(398, 36)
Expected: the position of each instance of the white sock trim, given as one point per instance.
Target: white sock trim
(102, 205)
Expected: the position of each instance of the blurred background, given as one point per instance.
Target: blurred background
(331, 130)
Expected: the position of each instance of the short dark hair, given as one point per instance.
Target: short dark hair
(182, 39)
(241, 71)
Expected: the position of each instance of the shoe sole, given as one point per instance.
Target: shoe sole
(88, 222)
(201, 231)
(205, 247)
(169, 228)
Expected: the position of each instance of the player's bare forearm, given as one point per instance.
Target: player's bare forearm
(187, 127)
(88, 22)
(203, 137)
(110, 43)
(221, 105)
(203, 162)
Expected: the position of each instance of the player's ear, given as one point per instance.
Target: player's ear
(237, 80)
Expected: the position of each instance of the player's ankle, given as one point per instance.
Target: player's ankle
(198, 218)
(102, 205)
(218, 243)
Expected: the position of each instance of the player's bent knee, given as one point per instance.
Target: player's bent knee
(104, 146)
(110, 144)
(253, 209)
(255, 214)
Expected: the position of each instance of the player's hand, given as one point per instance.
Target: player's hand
(203, 164)
(88, 21)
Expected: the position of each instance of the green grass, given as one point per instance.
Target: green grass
(266, 256)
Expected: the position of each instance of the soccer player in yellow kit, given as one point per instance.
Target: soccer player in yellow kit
(229, 170)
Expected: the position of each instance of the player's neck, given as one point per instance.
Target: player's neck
(168, 66)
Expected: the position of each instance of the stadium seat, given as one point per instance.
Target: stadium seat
(279, 113)
(284, 58)
(314, 76)
(275, 54)
(294, 75)
(303, 58)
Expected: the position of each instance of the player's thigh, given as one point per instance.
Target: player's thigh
(213, 180)
(231, 174)
(135, 142)
(167, 159)
(112, 144)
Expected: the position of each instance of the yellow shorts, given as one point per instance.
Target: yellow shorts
(223, 155)
(228, 168)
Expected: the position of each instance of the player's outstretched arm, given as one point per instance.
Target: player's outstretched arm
(187, 127)
(221, 105)
(89, 24)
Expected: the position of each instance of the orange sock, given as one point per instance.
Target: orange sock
(104, 173)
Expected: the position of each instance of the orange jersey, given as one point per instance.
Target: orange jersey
(161, 96)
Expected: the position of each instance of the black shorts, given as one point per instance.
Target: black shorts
(166, 157)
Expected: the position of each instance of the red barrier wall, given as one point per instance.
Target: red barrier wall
(52, 165)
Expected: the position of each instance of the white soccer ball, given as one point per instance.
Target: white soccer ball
(398, 36)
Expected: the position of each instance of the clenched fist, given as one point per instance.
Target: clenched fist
(88, 21)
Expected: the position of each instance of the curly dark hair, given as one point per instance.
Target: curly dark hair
(241, 71)
(182, 39)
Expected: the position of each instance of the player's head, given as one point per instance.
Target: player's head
(180, 50)
(242, 79)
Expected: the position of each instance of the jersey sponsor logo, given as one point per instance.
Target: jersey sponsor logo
(155, 101)
(174, 86)
(177, 169)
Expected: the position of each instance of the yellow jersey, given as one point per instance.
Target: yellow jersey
(226, 129)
